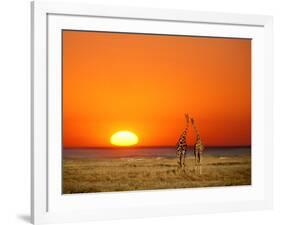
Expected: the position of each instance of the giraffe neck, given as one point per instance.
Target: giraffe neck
(182, 139)
(197, 132)
(185, 131)
(184, 134)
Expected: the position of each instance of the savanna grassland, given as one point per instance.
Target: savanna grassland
(128, 174)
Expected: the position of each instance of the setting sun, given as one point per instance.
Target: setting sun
(124, 138)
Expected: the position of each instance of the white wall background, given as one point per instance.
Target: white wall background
(15, 109)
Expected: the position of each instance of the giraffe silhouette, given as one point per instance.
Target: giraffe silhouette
(181, 146)
(198, 147)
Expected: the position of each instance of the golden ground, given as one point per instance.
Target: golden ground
(127, 174)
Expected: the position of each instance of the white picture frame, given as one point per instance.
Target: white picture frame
(48, 205)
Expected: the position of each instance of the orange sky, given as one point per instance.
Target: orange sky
(145, 84)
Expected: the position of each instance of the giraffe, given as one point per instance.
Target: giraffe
(181, 146)
(198, 146)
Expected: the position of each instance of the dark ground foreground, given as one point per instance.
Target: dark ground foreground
(127, 174)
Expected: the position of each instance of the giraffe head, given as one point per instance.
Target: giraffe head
(192, 120)
(186, 119)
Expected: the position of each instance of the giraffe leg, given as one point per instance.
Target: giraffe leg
(195, 160)
(200, 166)
(184, 159)
(181, 160)
(178, 158)
(198, 162)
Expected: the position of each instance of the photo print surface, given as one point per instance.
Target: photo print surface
(149, 112)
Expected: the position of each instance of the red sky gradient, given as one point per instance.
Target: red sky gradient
(145, 84)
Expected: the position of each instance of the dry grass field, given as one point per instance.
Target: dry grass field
(128, 174)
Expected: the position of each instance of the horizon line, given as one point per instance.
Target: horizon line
(153, 146)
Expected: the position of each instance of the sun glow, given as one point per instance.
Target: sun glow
(124, 138)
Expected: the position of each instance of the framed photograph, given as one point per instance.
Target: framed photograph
(140, 112)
